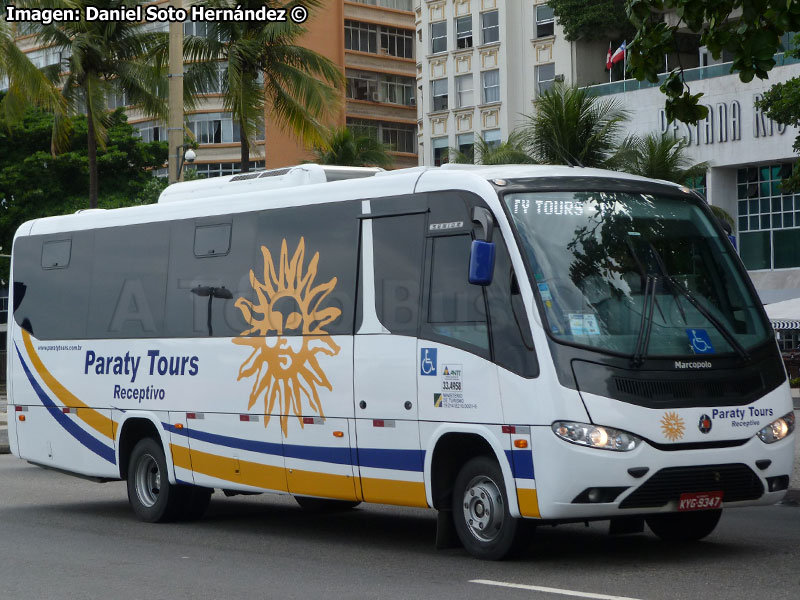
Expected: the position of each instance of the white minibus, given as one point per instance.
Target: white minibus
(510, 345)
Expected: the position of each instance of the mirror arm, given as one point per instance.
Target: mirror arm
(484, 218)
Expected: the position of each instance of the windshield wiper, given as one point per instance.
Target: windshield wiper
(721, 327)
(646, 325)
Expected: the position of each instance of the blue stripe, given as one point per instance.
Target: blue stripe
(339, 456)
(72, 428)
(521, 462)
(225, 440)
(399, 460)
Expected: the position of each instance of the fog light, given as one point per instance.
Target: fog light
(778, 483)
(598, 495)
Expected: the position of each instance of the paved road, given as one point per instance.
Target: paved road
(67, 538)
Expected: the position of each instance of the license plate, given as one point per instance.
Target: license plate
(700, 501)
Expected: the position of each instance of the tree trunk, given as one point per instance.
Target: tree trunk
(244, 167)
(92, 159)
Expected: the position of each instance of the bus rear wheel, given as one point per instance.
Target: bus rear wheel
(684, 526)
(480, 511)
(152, 497)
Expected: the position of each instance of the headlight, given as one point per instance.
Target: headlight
(778, 429)
(596, 436)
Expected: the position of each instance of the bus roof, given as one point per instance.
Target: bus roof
(315, 184)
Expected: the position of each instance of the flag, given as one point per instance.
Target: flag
(608, 57)
(619, 54)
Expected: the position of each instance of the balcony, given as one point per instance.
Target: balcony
(721, 70)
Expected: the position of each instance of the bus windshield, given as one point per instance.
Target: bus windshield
(635, 274)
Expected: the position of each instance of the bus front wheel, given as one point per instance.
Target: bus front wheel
(480, 511)
(152, 497)
(684, 526)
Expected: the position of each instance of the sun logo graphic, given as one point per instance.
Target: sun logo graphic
(287, 372)
(672, 426)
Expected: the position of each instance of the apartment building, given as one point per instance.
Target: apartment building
(379, 50)
(482, 63)
(371, 41)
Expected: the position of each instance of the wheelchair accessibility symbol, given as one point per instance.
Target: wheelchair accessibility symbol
(427, 363)
(700, 341)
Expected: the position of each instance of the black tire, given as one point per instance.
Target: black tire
(152, 497)
(684, 526)
(325, 504)
(480, 512)
(195, 502)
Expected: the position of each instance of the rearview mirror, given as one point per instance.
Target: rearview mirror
(481, 262)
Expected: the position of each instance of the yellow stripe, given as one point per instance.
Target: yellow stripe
(309, 483)
(390, 491)
(230, 469)
(97, 421)
(528, 503)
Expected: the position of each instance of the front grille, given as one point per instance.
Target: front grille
(737, 482)
(676, 394)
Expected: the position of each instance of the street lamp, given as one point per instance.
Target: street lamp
(189, 157)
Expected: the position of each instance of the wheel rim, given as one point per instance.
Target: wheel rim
(483, 509)
(148, 480)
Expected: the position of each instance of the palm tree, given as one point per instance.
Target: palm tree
(662, 156)
(350, 148)
(266, 69)
(25, 83)
(102, 58)
(569, 126)
(510, 152)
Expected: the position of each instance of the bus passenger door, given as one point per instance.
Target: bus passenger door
(317, 448)
(457, 380)
(389, 455)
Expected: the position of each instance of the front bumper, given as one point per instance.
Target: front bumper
(564, 472)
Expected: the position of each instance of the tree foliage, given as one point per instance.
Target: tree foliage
(593, 19)
(510, 152)
(781, 103)
(569, 126)
(661, 156)
(34, 183)
(749, 30)
(101, 59)
(265, 69)
(352, 148)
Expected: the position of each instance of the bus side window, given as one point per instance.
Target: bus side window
(398, 244)
(212, 240)
(319, 244)
(51, 288)
(512, 343)
(55, 254)
(129, 281)
(209, 270)
(456, 308)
